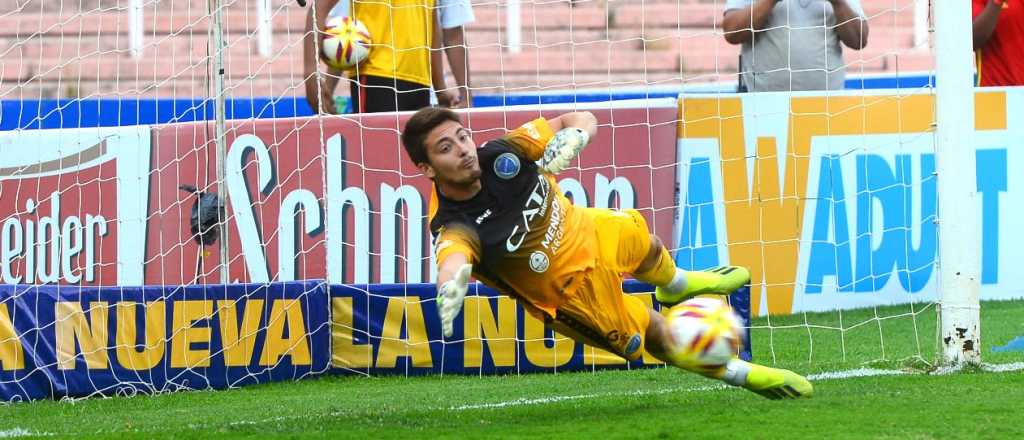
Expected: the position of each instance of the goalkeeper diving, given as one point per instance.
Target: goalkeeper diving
(500, 217)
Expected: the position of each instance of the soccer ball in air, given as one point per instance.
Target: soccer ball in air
(707, 333)
(346, 44)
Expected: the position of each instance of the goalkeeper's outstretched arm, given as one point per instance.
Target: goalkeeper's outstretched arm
(447, 269)
(573, 131)
(581, 120)
(452, 285)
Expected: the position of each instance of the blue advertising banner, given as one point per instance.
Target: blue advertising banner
(118, 112)
(394, 328)
(58, 341)
(70, 341)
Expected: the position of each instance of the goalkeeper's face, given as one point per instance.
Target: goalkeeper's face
(451, 156)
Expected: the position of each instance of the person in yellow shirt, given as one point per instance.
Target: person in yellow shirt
(395, 76)
(500, 216)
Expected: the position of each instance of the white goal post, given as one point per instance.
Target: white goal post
(959, 256)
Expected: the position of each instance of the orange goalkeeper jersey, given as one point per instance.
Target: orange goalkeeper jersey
(522, 235)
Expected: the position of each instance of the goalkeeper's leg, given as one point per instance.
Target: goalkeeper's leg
(674, 285)
(773, 383)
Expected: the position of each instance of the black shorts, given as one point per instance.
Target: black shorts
(374, 94)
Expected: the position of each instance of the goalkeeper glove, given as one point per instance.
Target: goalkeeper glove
(562, 149)
(450, 297)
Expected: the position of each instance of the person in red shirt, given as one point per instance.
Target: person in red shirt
(999, 42)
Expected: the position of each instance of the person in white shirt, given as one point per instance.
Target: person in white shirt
(452, 15)
(794, 44)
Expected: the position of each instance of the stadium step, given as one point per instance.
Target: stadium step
(594, 42)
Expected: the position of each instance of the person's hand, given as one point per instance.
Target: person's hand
(319, 96)
(447, 98)
(450, 297)
(465, 100)
(562, 149)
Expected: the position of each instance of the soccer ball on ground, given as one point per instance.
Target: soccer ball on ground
(707, 333)
(346, 44)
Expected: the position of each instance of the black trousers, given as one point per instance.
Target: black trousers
(374, 94)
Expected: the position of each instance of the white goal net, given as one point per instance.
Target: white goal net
(804, 151)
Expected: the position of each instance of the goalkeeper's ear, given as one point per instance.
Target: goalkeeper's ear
(585, 121)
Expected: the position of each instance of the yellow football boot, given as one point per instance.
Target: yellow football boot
(721, 280)
(773, 383)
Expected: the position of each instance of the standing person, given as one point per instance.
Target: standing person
(453, 15)
(501, 217)
(794, 44)
(999, 42)
(396, 76)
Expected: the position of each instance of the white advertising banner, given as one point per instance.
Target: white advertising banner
(831, 200)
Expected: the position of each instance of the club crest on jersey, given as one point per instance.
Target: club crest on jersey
(506, 166)
(633, 345)
(539, 261)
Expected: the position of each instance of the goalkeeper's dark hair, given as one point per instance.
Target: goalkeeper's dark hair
(419, 125)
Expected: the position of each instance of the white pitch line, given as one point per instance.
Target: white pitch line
(268, 420)
(1002, 368)
(830, 375)
(21, 432)
(991, 368)
(555, 399)
(849, 374)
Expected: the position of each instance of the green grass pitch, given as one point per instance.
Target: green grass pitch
(649, 403)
